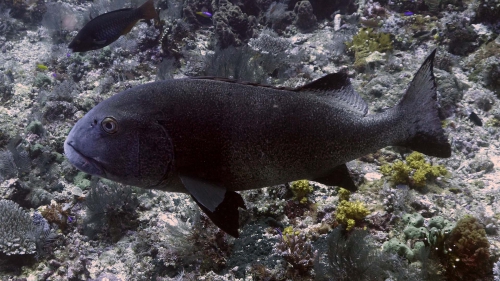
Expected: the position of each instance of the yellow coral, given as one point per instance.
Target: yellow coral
(367, 41)
(415, 160)
(344, 194)
(301, 189)
(398, 171)
(415, 171)
(288, 231)
(348, 213)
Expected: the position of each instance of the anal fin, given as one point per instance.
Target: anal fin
(226, 216)
(339, 176)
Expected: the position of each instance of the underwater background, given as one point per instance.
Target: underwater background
(413, 218)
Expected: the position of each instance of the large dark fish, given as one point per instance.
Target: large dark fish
(107, 28)
(210, 138)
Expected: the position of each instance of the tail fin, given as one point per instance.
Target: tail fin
(147, 11)
(420, 114)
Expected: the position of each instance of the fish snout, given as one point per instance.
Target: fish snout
(80, 160)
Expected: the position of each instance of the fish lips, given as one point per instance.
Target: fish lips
(83, 162)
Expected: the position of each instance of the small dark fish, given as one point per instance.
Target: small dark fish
(212, 137)
(107, 28)
(475, 119)
(204, 14)
(421, 33)
(408, 13)
(373, 23)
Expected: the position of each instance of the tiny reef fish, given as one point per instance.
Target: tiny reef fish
(107, 28)
(204, 14)
(211, 137)
(42, 67)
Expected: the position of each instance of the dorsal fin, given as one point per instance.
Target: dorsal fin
(337, 88)
(334, 87)
(235, 81)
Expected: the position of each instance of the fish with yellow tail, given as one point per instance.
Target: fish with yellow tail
(213, 137)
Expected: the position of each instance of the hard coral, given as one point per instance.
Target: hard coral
(415, 172)
(297, 250)
(232, 26)
(306, 20)
(367, 41)
(111, 208)
(353, 256)
(56, 213)
(18, 233)
(344, 194)
(348, 213)
(468, 257)
(301, 189)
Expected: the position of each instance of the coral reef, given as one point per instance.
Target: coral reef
(109, 231)
(467, 254)
(306, 20)
(297, 250)
(111, 209)
(278, 18)
(415, 172)
(18, 230)
(232, 26)
(349, 213)
(487, 11)
(301, 189)
(366, 42)
(353, 256)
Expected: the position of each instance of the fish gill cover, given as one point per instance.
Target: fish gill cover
(409, 212)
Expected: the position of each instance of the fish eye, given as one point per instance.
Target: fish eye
(109, 125)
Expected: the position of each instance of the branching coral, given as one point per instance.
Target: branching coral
(20, 234)
(56, 213)
(351, 256)
(301, 189)
(467, 256)
(348, 213)
(415, 172)
(111, 208)
(367, 41)
(297, 250)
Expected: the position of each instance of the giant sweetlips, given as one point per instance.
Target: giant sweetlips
(211, 137)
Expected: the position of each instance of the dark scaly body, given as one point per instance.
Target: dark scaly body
(248, 137)
(107, 28)
(210, 138)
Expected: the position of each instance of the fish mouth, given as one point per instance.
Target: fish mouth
(84, 163)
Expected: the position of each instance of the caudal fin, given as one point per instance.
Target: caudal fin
(147, 11)
(419, 110)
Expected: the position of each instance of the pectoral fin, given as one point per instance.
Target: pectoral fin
(207, 194)
(226, 216)
(339, 176)
(220, 205)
